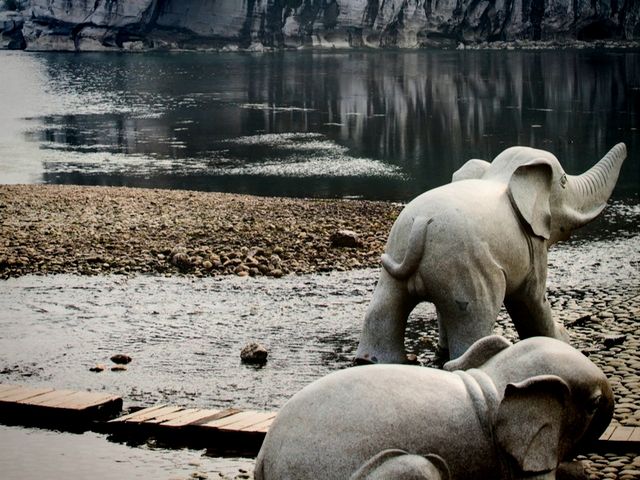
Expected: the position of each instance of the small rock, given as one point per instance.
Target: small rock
(121, 359)
(612, 340)
(97, 368)
(254, 353)
(345, 238)
(118, 368)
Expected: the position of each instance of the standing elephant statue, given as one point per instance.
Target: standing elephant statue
(502, 411)
(478, 242)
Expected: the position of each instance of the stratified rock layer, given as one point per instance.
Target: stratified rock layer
(256, 24)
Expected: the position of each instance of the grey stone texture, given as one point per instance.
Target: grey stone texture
(478, 243)
(500, 411)
(255, 24)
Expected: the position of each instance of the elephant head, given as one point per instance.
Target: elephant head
(551, 396)
(551, 202)
(504, 412)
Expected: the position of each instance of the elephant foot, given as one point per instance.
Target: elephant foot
(411, 359)
(442, 356)
(357, 361)
(571, 471)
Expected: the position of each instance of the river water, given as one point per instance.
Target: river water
(383, 125)
(378, 125)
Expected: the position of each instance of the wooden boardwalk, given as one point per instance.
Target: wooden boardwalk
(229, 430)
(46, 406)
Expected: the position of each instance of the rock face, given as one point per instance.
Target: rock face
(256, 24)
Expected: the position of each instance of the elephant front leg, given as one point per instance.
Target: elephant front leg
(532, 316)
(382, 336)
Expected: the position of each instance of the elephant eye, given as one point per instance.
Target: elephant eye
(593, 404)
(563, 181)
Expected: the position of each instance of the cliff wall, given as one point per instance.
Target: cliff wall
(255, 24)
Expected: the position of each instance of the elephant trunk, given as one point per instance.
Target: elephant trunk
(591, 190)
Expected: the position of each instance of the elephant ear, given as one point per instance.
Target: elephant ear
(394, 463)
(529, 422)
(473, 169)
(530, 192)
(478, 353)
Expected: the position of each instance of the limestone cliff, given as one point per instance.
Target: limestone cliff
(255, 24)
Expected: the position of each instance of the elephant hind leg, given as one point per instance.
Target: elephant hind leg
(467, 315)
(382, 335)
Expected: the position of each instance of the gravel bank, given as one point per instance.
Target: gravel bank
(98, 230)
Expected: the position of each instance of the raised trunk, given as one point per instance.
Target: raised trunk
(591, 190)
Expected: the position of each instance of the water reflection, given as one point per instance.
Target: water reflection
(374, 124)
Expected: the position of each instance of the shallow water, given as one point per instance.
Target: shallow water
(380, 125)
(28, 453)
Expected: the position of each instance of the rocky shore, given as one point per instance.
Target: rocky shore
(101, 230)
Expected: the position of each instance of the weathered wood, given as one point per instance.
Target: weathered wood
(621, 434)
(198, 416)
(262, 427)
(635, 436)
(138, 413)
(23, 394)
(48, 398)
(607, 433)
(8, 390)
(259, 417)
(172, 416)
(62, 409)
(216, 424)
(148, 414)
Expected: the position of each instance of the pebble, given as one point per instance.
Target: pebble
(121, 358)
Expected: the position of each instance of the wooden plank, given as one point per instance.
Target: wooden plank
(635, 436)
(133, 415)
(259, 417)
(262, 427)
(607, 433)
(229, 420)
(7, 388)
(198, 416)
(25, 393)
(63, 401)
(172, 416)
(44, 400)
(621, 434)
(85, 400)
(10, 390)
(224, 413)
(155, 413)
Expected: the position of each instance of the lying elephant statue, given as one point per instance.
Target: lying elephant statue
(501, 411)
(478, 242)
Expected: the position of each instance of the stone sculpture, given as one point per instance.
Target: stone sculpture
(502, 411)
(478, 242)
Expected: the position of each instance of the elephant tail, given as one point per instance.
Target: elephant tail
(415, 249)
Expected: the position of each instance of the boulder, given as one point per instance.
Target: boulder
(254, 353)
(346, 239)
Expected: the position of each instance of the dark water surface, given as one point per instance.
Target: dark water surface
(379, 125)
